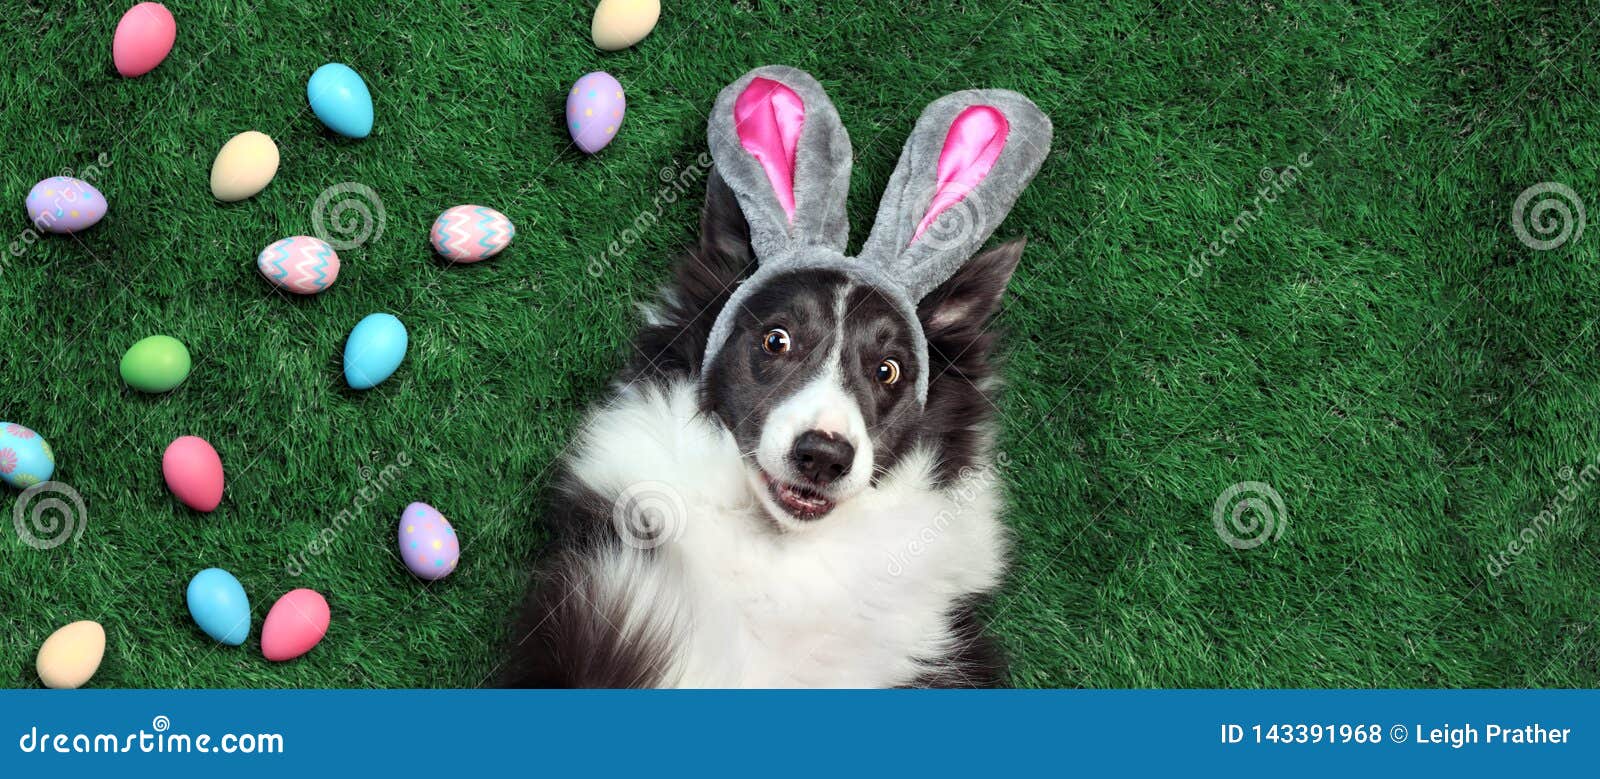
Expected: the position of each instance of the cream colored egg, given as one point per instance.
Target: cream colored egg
(619, 24)
(71, 655)
(245, 166)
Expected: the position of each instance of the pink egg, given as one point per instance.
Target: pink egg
(193, 472)
(301, 264)
(471, 233)
(594, 111)
(428, 543)
(143, 39)
(294, 625)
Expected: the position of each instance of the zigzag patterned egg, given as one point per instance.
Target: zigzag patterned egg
(471, 233)
(301, 264)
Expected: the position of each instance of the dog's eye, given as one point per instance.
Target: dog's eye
(888, 371)
(776, 341)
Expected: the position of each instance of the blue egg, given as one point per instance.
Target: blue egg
(25, 457)
(219, 606)
(340, 99)
(374, 350)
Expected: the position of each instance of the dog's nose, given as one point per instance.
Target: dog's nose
(822, 458)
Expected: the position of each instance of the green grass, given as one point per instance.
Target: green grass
(1378, 346)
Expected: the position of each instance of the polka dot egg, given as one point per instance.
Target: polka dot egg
(428, 543)
(594, 111)
(25, 457)
(62, 204)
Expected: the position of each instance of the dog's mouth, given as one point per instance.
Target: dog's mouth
(798, 501)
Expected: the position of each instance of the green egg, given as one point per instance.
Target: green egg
(156, 364)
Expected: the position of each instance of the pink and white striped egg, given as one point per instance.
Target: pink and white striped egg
(594, 111)
(471, 233)
(62, 204)
(300, 264)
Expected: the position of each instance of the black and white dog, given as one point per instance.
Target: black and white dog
(791, 514)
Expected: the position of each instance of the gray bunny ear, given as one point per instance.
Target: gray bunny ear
(969, 157)
(778, 143)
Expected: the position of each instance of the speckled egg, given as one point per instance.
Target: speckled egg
(471, 233)
(428, 543)
(594, 111)
(25, 457)
(301, 264)
(62, 204)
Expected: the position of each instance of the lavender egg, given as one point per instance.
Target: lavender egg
(594, 111)
(428, 543)
(62, 204)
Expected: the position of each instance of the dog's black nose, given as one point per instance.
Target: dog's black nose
(822, 458)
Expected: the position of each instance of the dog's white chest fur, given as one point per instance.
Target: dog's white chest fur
(859, 598)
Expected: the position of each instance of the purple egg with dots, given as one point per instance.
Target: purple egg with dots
(428, 543)
(62, 204)
(594, 111)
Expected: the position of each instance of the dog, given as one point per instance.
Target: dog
(794, 481)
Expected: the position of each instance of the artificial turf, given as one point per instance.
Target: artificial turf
(1375, 342)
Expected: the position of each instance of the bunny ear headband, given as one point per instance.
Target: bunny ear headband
(777, 142)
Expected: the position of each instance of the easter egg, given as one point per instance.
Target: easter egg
(471, 233)
(25, 457)
(294, 625)
(619, 24)
(244, 166)
(71, 655)
(219, 606)
(374, 350)
(155, 364)
(193, 472)
(62, 204)
(301, 264)
(340, 99)
(594, 111)
(143, 39)
(428, 543)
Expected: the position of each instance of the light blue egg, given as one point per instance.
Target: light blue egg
(340, 99)
(25, 457)
(374, 350)
(219, 606)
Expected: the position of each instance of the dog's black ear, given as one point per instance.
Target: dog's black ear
(970, 298)
(724, 256)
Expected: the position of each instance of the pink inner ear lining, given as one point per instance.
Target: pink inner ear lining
(971, 147)
(768, 117)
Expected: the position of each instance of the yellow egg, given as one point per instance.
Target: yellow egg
(71, 655)
(619, 24)
(245, 166)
